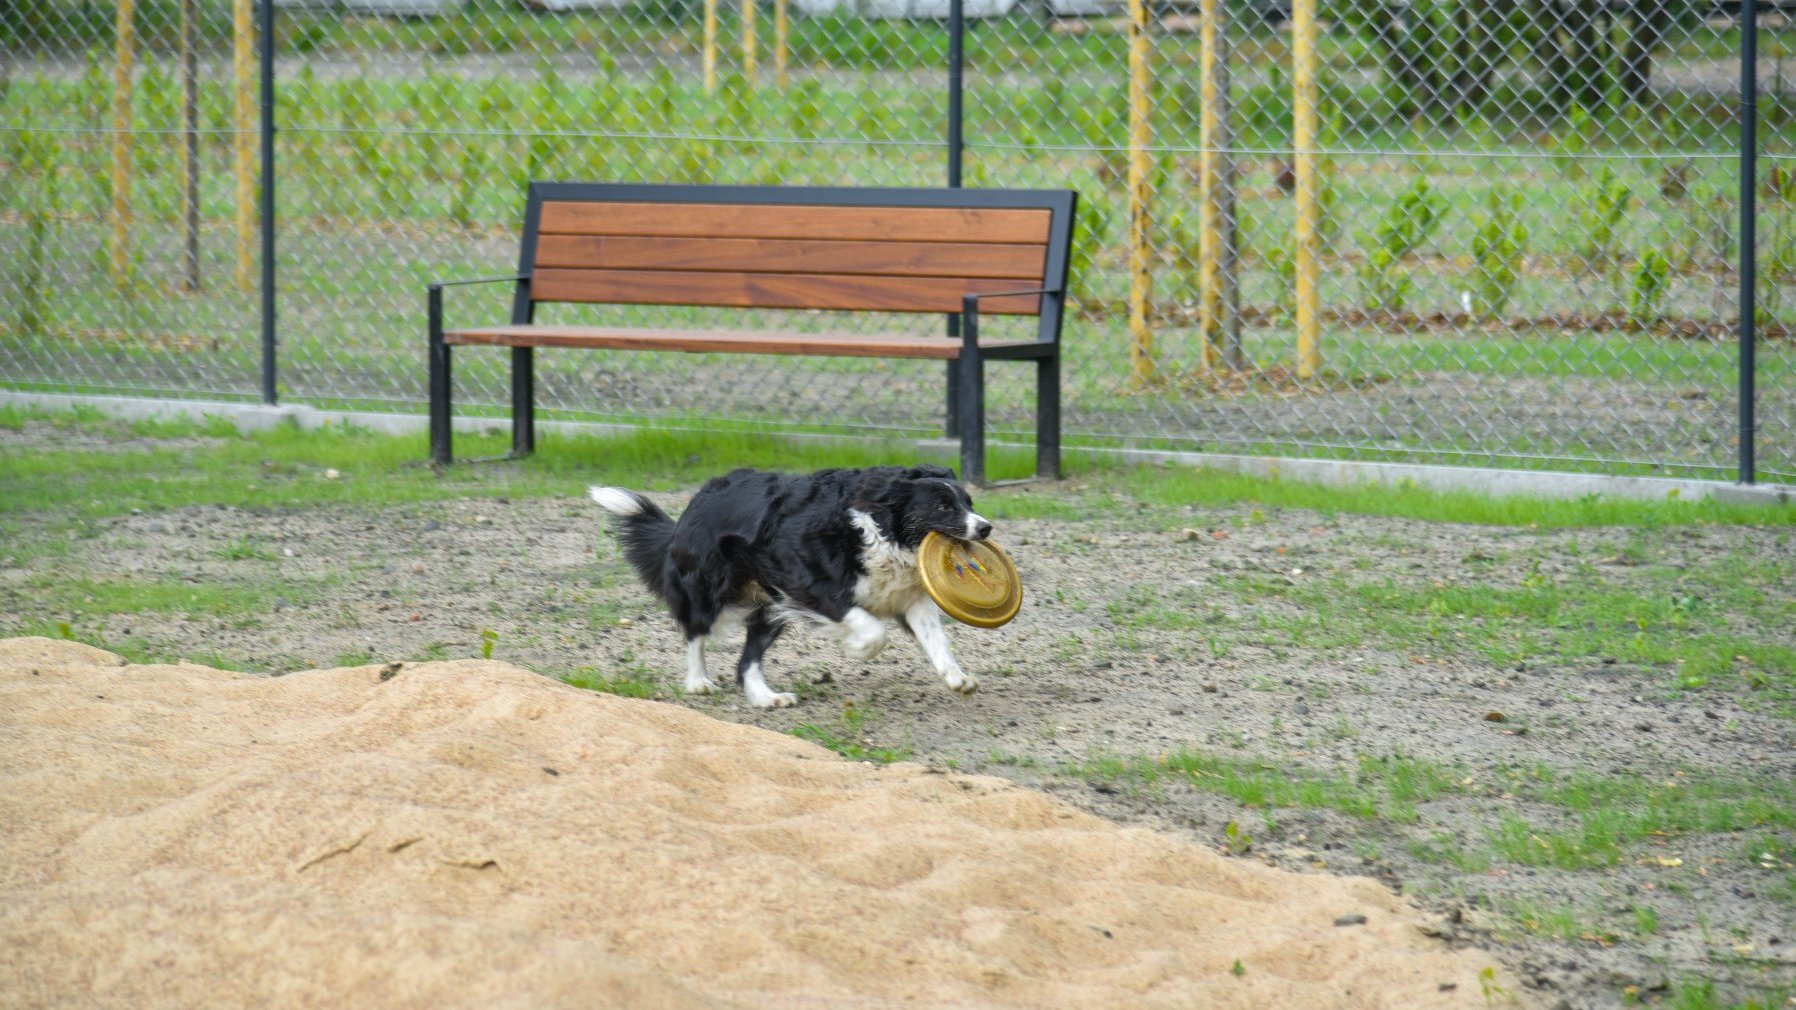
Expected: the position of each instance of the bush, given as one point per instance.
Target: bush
(1497, 252)
(1384, 283)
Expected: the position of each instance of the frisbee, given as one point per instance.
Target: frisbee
(972, 581)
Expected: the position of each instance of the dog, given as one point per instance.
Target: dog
(835, 547)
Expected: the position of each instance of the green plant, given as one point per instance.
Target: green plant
(38, 156)
(488, 639)
(1651, 277)
(1384, 281)
(1605, 205)
(1497, 247)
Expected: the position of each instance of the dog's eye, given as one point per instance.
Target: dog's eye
(944, 507)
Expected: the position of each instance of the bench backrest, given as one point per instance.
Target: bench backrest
(779, 247)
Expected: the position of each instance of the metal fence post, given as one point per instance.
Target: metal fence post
(956, 55)
(266, 16)
(1749, 177)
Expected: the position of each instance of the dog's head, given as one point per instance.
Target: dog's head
(922, 499)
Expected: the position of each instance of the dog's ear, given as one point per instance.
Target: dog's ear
(924, 470)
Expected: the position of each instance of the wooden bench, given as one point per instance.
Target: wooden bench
(957, 252)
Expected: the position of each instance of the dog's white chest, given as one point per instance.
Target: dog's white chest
(891, 583)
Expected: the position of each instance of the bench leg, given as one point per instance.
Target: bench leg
(523, 401)
(971, 411)
(441, 452)
(951, 425)
(1047, 418)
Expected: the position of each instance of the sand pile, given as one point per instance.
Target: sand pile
(471, 834)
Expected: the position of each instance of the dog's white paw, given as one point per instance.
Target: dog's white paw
(965, 683)
(703, 685)
(773, 699)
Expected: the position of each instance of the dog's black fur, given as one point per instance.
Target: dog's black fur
(769, 546)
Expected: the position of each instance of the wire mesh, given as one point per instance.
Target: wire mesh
(1437, 231)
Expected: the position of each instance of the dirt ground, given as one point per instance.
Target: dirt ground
(1073, 681)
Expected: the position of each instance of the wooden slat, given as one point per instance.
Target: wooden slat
(798, 256)
(1003, 226)
(778, 291)
(717, 341)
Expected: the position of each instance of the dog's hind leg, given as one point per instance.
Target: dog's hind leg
(698, 681)
(863, 635)
(925, 623)
(761, 634)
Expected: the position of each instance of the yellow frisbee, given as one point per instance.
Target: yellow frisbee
(973, 582)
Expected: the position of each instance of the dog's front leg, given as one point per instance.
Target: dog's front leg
(698, 681)
(925, 623)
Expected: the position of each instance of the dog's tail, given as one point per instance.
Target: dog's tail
(644, 530)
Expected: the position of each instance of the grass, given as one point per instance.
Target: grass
(1598, 820)
(286, 467)
(633, 682)
(848, 736)
(1382, 787)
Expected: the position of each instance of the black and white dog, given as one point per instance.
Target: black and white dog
(838, 547)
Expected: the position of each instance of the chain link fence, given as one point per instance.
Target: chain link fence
(1437, 231)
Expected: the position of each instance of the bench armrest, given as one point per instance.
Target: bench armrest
(969, 310)
(478, 280)
(434, 300)
(972, 301)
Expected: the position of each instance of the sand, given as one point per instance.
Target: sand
(472, 834)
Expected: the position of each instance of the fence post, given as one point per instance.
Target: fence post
(243, 40)
(710, 57)
(1303, 157)
(749, 45)
(1749, 179)
(781, 29)
(1219, 306)
(956, 151)
(266, 15)
(124, 78)
(1141, 281)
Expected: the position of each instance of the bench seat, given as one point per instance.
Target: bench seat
(831, 345)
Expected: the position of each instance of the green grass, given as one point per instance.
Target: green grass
(633, 682)
(1600, 820)
(286, 467)
(1710, 626)
(1382, 787)
(1700, 994)
(849, 737)
(1172, 486)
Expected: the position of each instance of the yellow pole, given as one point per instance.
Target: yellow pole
(1141, 281)
(243, 36)
(748, 41)
(123, 79)
(1303, 76)
(1209, 247)
(780, 29)
(710, 46)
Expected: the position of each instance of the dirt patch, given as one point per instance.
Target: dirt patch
(1138, 641)
(472, 834)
